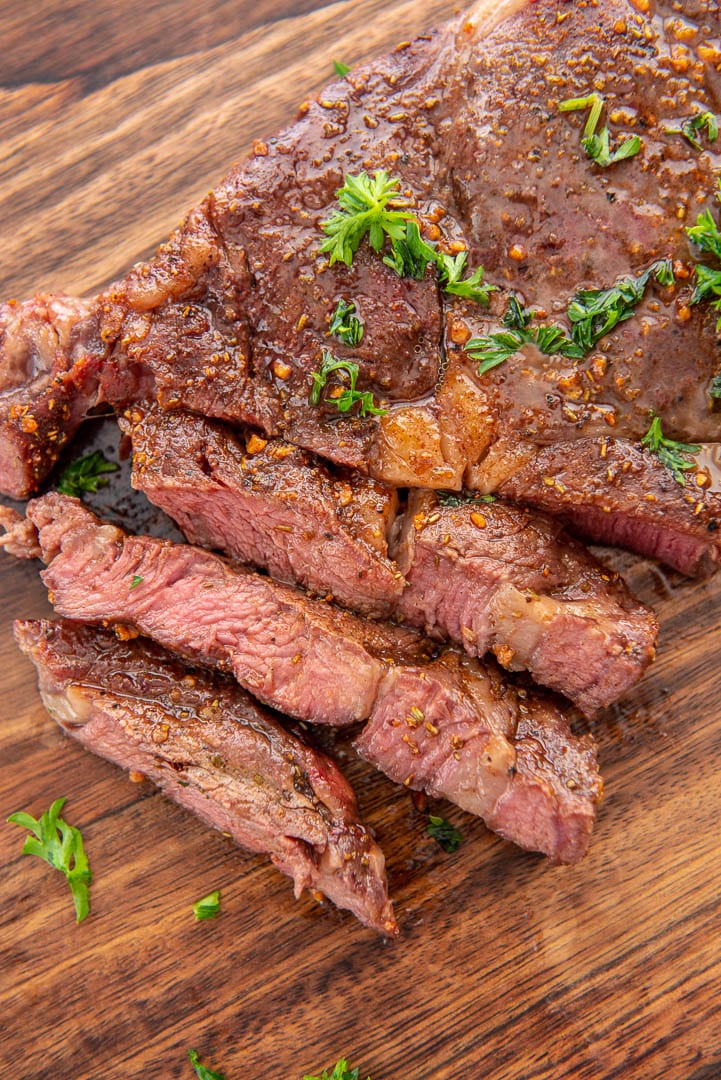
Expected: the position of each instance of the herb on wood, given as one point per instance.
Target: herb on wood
(444, 833)
(340, 68)
(694, 125)
(208, 907)
(674, 455)
(341, 1071)
(363, 211)
(347, 398)
(597, 144)
(61, 846)
(201, 1071)
(86, 474)
(345, 324)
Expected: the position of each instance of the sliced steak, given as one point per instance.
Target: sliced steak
(217, 753)
(492, 576)
(270, 504)
(302, 656)
(616, 493)
(231, 318)
(500, 753)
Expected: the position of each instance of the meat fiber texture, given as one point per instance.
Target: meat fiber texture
(485, 575)
(448, 725)
(211, 748)
(216, 323)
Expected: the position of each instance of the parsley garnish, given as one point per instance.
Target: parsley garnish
(201, 1071)
(444, 833)
(715, 387)
(411, 254)
(340, 68)
(136, 579)
(462, 498)
(341, 1071)
(364, 210)
(208, 907)
(86, 474)
(693, 125)
(706, 235)
(61, 846)
(345, 324)
(674, 455)
(348, 397)
(597, 144)
(593, 313)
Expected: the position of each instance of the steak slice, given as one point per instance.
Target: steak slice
(216, 752)
(504, 754)
(310, 659)
(492, 576)
(270, 504)
(616, 493)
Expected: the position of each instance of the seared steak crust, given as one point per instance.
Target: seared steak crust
(216, 752)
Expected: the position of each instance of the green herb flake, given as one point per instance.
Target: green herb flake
(693, 126)
(61, 846)
(707, 236)
(715, 387)
(597, 144)
(341, 1071)
(136, 580)
(444, 833)
(86, 474)
(411, 254)
(349, 397)
(364, 210)
(676, 456)
(208, 907)
(340, 68)
(345, 324)
(595, 312)
(462, 498)
(201, 1071)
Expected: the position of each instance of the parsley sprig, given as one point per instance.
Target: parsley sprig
(705, 234)
(345, 324)
(674, 455)
(340, 68)
(201, 1071)
(61, 846)
(341, 1071)
(597, 144)
(363, 211)
(692, 126)
(593, 313)
(86, 474)
(444, 833)
(410, 255)
(349, 396)
(462, 498)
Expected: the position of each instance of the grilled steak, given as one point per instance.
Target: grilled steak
(321, 664)
(270, 504)
(216, 752)
(491, 576)
(218, 324)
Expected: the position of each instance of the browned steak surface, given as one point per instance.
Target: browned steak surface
(231, 318)
(210, 747)
(307, 658)
(270, 504)
(493, 576)
(618, 493)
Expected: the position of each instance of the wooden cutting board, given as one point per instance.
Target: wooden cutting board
(114, 119)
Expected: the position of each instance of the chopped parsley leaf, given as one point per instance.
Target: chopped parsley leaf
(444, 833)
(345, 324)
(692, 126)
(347, 398)
(61, 846)
(340, 68)
(363, 211)
(86, 474)
(341, 1071)
(208, 907)
(597, 144)
(674, 455)
(201, 1071)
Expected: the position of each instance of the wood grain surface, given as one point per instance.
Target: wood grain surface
(114, 119)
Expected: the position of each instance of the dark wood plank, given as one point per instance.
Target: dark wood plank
(113, 120)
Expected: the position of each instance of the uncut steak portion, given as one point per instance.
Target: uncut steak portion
(232, 316)
(311, 659)
(270, 504)
(216, 752)
(493, 576)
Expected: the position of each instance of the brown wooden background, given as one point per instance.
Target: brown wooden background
(114, 119)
